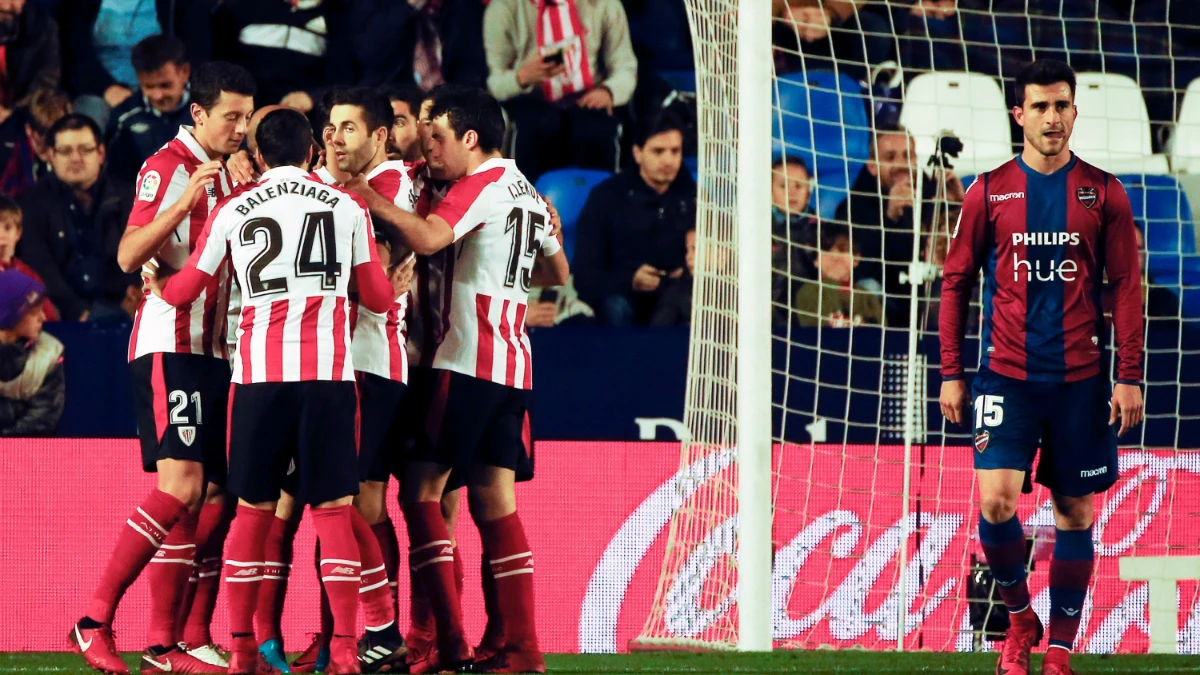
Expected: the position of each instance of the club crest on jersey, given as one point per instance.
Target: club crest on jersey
(187, 435)
(1087, 196)
(981, 441)
(149, 187)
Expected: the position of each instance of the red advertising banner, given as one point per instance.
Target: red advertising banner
(597, 518)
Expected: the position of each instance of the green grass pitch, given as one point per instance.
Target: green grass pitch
(813, 662)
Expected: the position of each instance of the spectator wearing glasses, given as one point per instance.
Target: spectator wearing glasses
(147, 121)
(74, 219)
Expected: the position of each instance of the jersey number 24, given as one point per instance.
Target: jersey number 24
(317, 233)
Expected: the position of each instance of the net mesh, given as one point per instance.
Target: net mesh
(867, 105)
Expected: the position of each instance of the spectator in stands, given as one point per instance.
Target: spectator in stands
(74, 219)
(420, 43)
(880, 212)
(835, 299)
(560, 81)
(10, 237)
(24, 156)
(814, 34)
(144, 123)
(630, 233)
(793, 234)
(32, 388)
(675, 306)
(29, 38)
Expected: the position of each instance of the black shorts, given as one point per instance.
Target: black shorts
(471, 421)
(381, 405)
(311, 424)
(182, 401)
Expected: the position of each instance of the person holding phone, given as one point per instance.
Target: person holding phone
(560, 81)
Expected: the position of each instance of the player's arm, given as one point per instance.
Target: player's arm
(961, 269)
(375, 290)
(1125, 275)
(552, 268)
(425, 236)
(185, 286)
(158, 211)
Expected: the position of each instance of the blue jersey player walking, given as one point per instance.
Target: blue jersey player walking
(1047, 229)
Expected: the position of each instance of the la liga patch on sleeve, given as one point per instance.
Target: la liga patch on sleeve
(148, 190)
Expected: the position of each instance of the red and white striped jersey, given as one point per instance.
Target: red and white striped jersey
(198, 328)
(378, 339)
(293, 242)
(500, 226)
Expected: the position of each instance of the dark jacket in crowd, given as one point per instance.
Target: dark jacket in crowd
(20, 168)
(79, 266)
(84, 73)
(281, 62)
(385, 34)
(674, 308)
(32, 58)
(793, 250)
(32, 387)
(625, 225)
(136, 130)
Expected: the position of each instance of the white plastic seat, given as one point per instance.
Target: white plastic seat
(1112, 130)
(969, 104)
(1186, 150)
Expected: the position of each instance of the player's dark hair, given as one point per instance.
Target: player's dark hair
(9, 205)
(157, 51)
(73, 122)
(374, 104)
(785, 160)
(211, 78)
(409, 94)
(1044, 72)
(658, 123)
(284, 138)
(472, 109)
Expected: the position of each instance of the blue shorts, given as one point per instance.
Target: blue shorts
(1069, 420)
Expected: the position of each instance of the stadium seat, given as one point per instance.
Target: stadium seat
(568, 190)
(822, 119)
(1112, 130)
(1186, 144)
(1161, 208)
(969, 104)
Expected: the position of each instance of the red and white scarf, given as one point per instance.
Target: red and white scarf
(559, 28)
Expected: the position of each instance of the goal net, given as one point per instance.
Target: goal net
(880, 115)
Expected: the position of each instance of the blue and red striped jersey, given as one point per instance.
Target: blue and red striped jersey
(1045, 244)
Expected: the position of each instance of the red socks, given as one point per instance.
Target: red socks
(512, 570)
(493, 633)
(431, 557)
(389, 546)
(244, 573)
(211, 530)
(168, 575)
(376, 596)
(277, 566)
(341, 566)
(144, 531)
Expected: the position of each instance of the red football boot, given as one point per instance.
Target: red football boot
(1024, 632)
(97, 647)
(175, 661)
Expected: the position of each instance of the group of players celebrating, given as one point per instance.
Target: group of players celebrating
(271, 364)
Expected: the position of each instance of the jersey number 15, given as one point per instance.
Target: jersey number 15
(523, 227)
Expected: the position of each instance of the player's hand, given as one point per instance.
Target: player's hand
(116, 94)
(537, 71)
(953, 400)
(555, 220)
(357, 184)
(647, 278)
(131, 301)
(155, 275)
(401, 276)
(241, 167)
(597, 98)
(1127, 406)
(541, 314)
(320, 163)
(899, 198)
(201, 178)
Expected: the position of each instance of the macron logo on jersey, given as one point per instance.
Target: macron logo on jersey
(1006, 196)
(1045, 238)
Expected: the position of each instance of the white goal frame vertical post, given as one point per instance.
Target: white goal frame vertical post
(754, 77)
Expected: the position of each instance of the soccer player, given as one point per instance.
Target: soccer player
(478, 419)
(181, 384)
(403, 137)
(296, 244)
(1046, 227)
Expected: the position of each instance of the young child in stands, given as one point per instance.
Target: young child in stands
(834, 299)
(32, 388)
(10, 235)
